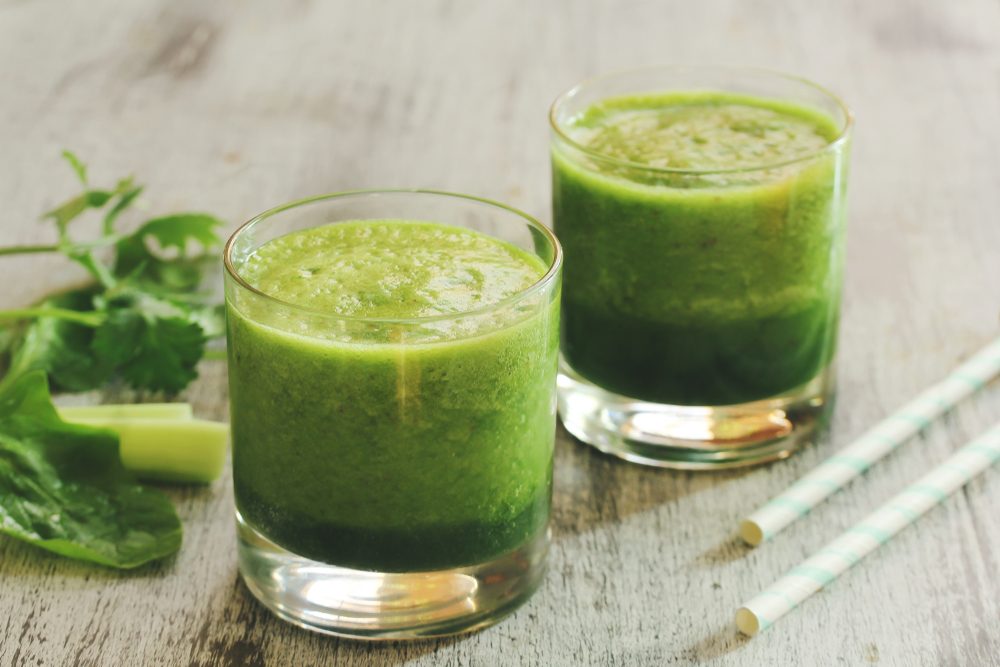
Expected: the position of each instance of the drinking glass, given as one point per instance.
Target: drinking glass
(700, 306)
(392, 475)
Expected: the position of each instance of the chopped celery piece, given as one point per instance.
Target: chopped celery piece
(127, 411)
(186, 450)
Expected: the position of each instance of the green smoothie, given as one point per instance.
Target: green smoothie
(382, 429)
(693, 276)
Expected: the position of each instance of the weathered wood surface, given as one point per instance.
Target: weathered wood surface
(233, 107)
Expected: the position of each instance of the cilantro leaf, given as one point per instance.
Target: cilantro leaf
(66, 212)
(60, 347)
(134, 257)
(150, 347)
(64, 489)
(79, 167)
(128, 195)
(149, 340)
(175, 231)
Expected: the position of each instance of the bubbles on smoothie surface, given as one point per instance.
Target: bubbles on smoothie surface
(701, 131)
(390, 269)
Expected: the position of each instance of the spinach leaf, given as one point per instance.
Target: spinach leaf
(63, 487)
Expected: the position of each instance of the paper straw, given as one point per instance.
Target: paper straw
(868, 535)
(834, 473)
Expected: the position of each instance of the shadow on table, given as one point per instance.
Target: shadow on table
(731, 549)
(725, 640)
(593, 489)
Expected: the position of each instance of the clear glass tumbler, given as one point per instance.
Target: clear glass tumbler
(700, 306)
(393, 476)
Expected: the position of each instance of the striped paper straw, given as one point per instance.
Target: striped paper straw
(834, 473)
(874, 531)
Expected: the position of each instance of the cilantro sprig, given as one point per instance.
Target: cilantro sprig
(142, 318)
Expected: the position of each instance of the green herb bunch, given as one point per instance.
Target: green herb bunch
(141, 319)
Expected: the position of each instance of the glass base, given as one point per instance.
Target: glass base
(690, 437)
(387, 605)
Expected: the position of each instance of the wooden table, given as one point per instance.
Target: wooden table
(232, 107)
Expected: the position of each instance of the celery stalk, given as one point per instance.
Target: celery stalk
(175, 411)
(165, 450)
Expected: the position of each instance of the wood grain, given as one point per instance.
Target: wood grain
(233, 107)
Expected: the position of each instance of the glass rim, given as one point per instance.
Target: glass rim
(571, 92)
(544, 281)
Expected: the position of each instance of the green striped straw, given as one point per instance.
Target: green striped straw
(868, 535)
(834, 473)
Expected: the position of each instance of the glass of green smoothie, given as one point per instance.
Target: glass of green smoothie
(702, 214)
(392, 371)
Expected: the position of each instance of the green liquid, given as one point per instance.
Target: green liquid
(700, 288)
(417, 448)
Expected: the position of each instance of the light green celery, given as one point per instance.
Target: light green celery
(168, 450)
(172, 411)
